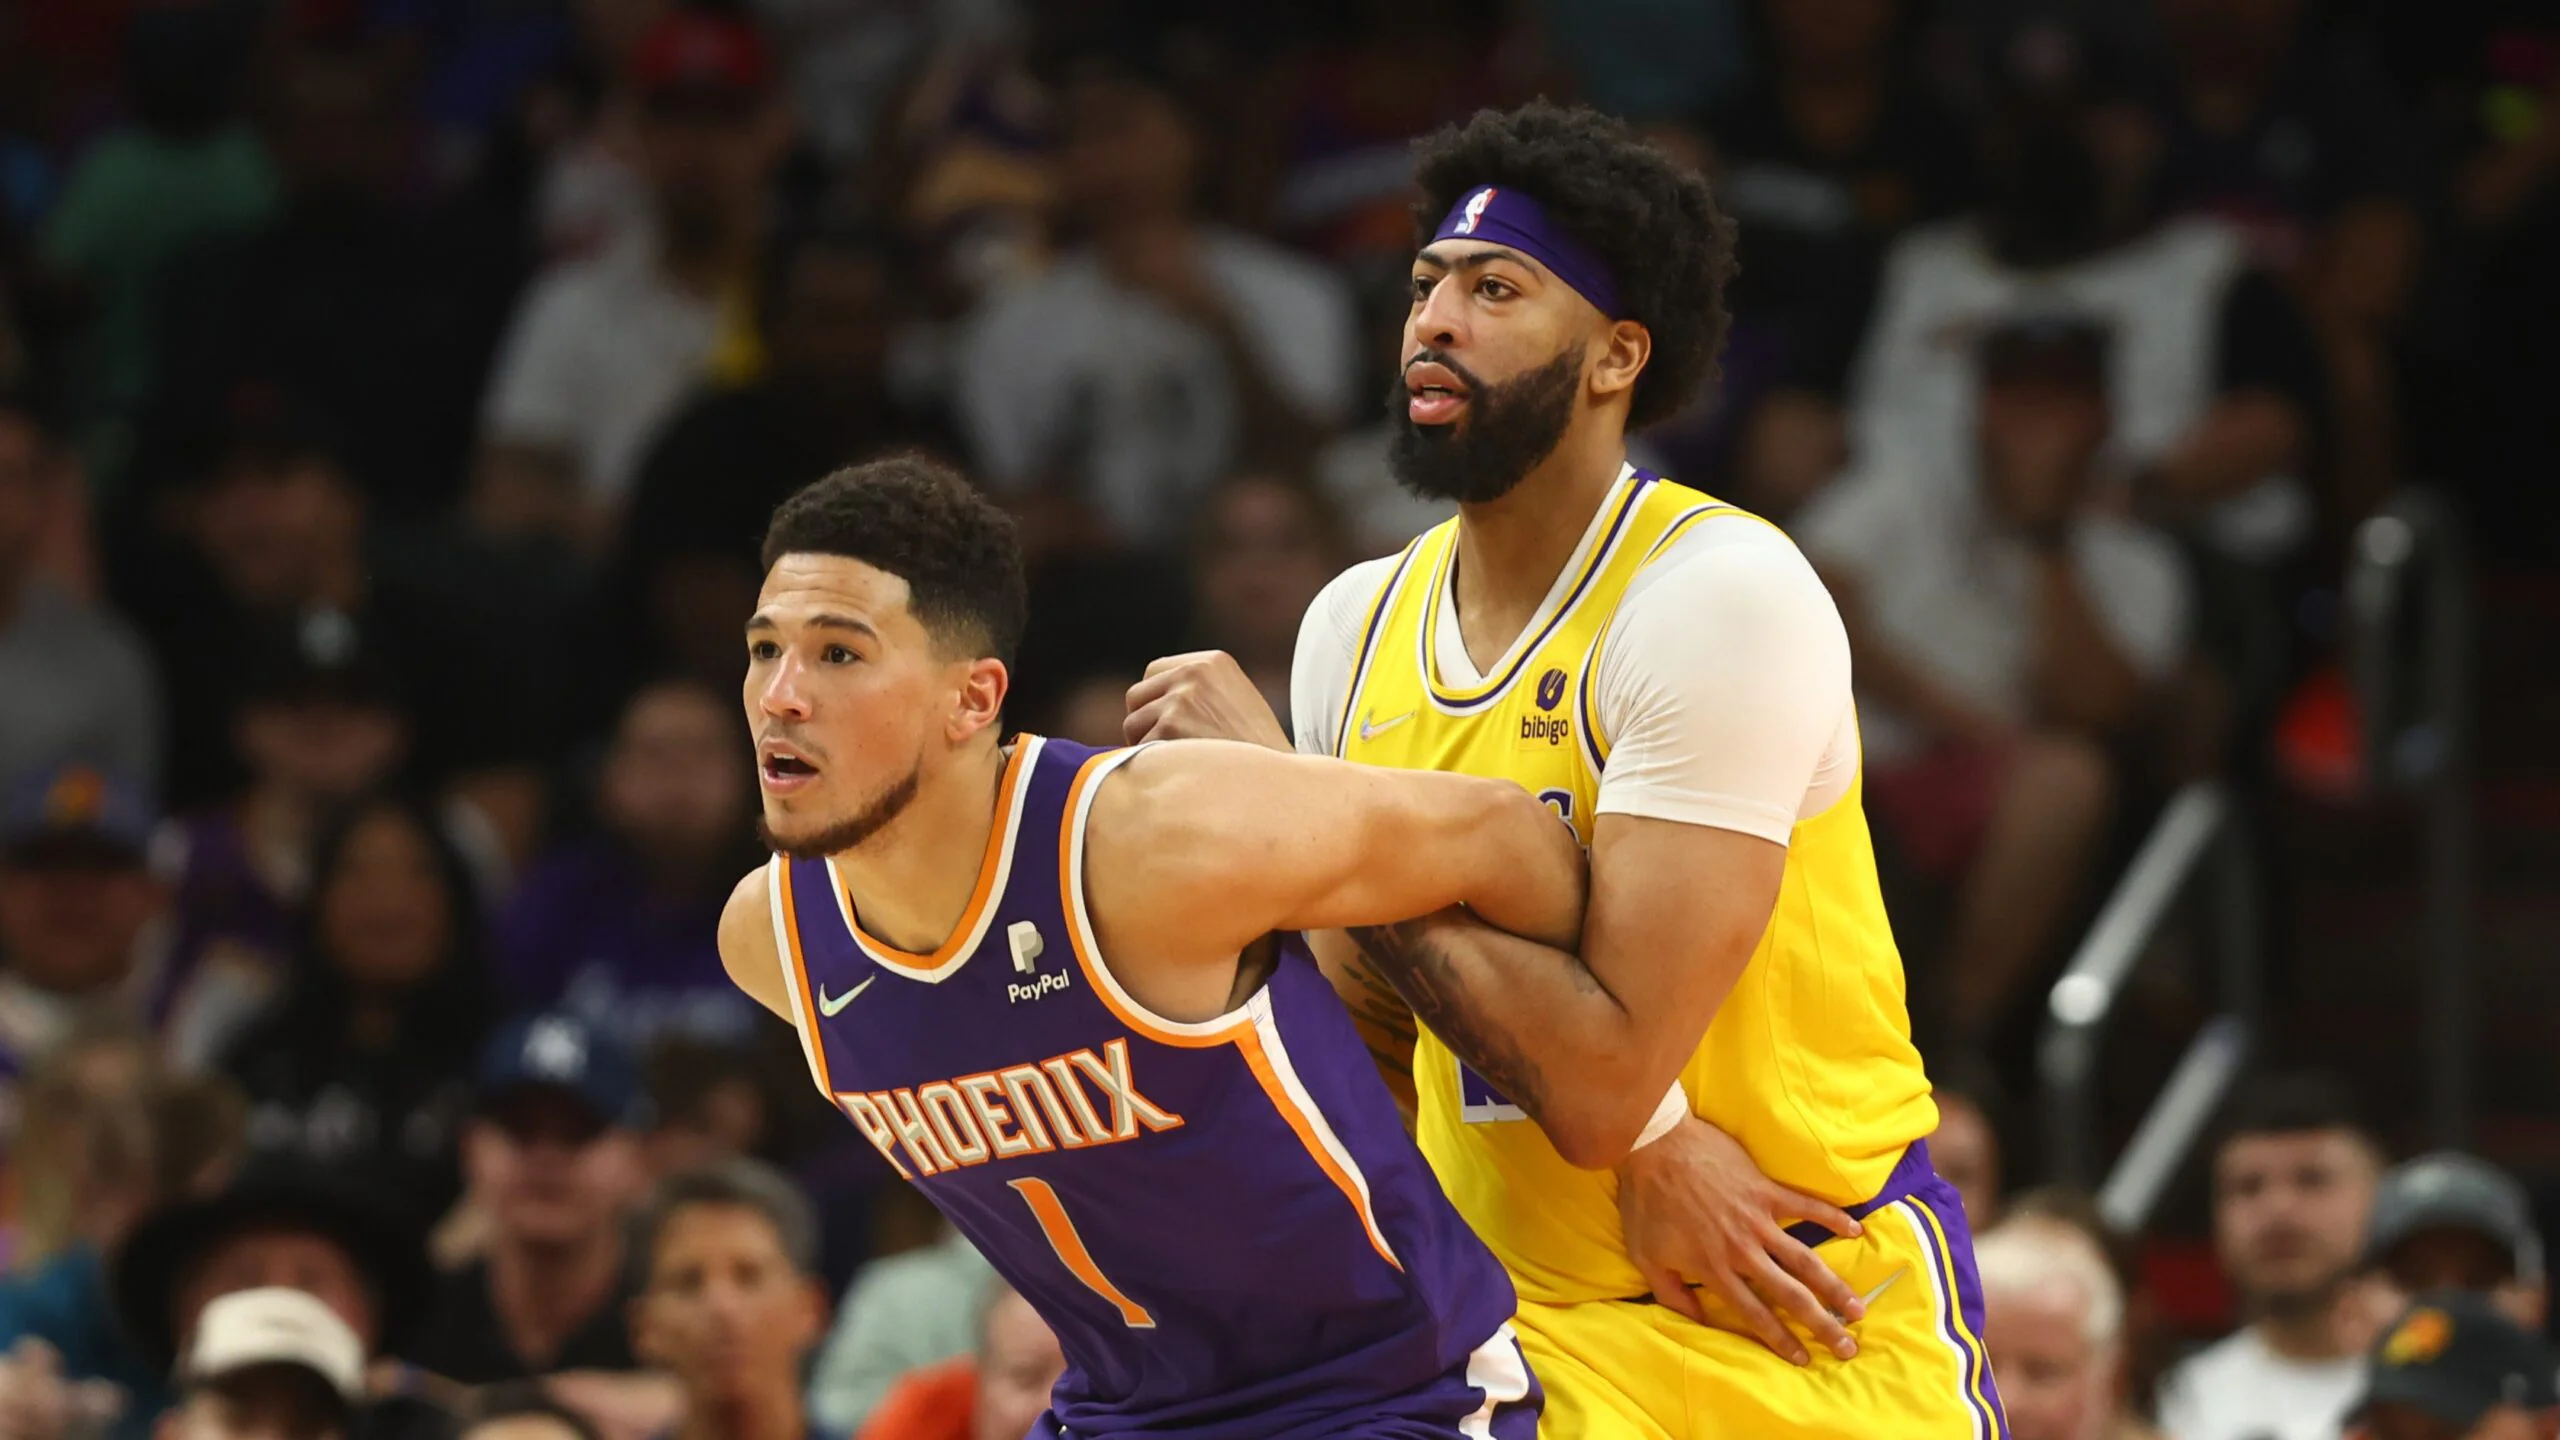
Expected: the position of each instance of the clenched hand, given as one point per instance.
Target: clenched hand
(1204, 695)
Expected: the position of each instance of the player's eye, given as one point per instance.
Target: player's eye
(763, 650)
(1422, 287)
(840, 655)
(1493, 289)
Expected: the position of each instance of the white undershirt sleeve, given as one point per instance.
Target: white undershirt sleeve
(1723, 687)
(1328, 644)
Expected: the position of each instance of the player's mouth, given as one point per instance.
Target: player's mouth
(1433, 393)
(782, 769)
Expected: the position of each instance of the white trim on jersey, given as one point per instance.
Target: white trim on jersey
(1023, 766)
(1497, 1368)
(1091, 945)
(1267, 1026)
(785, 944)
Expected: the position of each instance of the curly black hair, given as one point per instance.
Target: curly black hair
(1650, 219)
(920, 520)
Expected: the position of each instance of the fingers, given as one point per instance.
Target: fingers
(1674, 1293)
(1157, 685)
(1183, 661)
(37, 1354)
(1803, 1303)
(1833, 1292)
(1758, 1321)
(1830, 1217)
(1143, 720)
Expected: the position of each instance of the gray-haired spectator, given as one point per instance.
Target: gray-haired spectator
(2450, 1221)
(903, 1312)
(2055, 1317)
(731, 1305)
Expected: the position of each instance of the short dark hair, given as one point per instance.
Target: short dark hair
(2294, 1103)
(920, 520)
(1651, 220)
(747, 1185)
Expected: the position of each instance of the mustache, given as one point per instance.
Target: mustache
(1443, 359)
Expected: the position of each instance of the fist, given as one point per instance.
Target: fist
(1204, 695)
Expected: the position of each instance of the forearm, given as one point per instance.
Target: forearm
(1535, 1022)
(1382, 1017)
(1522, 870)
(2081, 677)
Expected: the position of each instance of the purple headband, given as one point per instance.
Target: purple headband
(1507, 217)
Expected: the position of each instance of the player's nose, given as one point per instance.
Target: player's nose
(1442, 320)
(782, 697)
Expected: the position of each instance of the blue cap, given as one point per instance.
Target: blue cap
(556, 1050)
(68, 808)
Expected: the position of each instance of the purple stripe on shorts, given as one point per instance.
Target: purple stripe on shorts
(1963, 1325)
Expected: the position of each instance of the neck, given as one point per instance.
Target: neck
(2311, 1334)
(543, 1292)
(771, 1413)
(912, 879)
(1509, 550)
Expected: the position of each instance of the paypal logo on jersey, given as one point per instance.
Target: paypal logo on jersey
(1015, 992)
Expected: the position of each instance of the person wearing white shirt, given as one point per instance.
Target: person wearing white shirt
(2293, 1183)
(2007, 634)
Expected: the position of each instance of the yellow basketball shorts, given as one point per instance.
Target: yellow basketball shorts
(1632, 1370)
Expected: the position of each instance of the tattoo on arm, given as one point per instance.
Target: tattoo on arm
(1423, 974)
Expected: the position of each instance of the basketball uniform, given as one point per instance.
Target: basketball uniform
(1223, 1222)
(1809, 1062)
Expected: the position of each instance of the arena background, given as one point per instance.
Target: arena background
(394, 390)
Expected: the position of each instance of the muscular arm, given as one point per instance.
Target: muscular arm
(1206, 846)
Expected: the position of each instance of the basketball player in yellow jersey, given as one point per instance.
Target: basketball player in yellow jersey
(1668, 674)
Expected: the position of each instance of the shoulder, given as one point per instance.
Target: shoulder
(1732, 568)
(748, 949)
(1342, 606)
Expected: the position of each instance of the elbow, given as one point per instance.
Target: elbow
(1597, 1137)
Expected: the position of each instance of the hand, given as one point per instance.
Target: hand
(1201, 696)
(1700, 1216)
(36, 1403)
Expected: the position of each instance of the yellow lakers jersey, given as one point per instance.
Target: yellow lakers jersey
(1809, 1062)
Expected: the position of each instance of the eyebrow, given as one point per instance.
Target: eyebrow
(1476, 259)
(821, 621)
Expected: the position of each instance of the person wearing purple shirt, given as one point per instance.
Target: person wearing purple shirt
(621, 930)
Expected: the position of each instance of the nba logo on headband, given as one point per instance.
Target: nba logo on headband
(1474, 212)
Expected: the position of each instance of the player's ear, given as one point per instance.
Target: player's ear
(1624, 347)
(980, 703)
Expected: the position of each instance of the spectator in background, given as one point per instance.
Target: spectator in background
(184, 169)
(74, 681)
(686, 562)
(2005, 640)
(521, 1410)
(1263, 547)
(2215, 383)
(270, 536)
(2293, 1182)
(553, 1162)
(79, 911)
(621, 930)
(1822, 159)
(2453, 1368)
(1163, 352)
(320, 725)
(1965, 1148)
(707, 1105)
(2055, 1331)
(2450, 1221)
(902, 1314)
(361, 1063)
(286, 1226)
(268, 1364)
(2299, 138)
(731, 1306)
(602, 351)
(80, 1158)
(997, 1391)
(378, 312)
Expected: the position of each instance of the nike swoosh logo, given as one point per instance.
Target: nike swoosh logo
(1370, 730)
(828, 1006)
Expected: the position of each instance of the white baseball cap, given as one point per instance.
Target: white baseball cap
(275, 1325)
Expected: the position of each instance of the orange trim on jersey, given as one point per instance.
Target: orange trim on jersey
(1070, 1247)
(1250, 1045)
(979, 897)
(1091, 965)
(800, 977)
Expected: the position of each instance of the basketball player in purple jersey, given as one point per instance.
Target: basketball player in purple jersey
(1046, 982)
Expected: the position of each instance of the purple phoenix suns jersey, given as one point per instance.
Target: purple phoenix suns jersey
(1224, 1222)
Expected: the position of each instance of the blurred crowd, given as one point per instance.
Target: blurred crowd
(392, 393)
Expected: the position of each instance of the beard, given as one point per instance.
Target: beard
(1508, 430)
(851, 831)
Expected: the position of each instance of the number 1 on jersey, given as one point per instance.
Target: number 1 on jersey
(1071, 1252)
